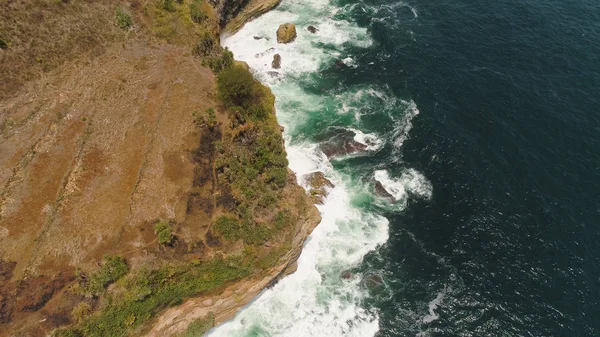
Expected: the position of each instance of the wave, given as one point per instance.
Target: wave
(318, 299)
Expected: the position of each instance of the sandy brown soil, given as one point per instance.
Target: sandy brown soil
(90, 158)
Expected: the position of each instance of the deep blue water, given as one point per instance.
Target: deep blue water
(509, 137)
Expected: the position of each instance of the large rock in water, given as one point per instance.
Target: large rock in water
(286, 33)
(312, 29)
(276, 64)
(342, 142)
(319, 186)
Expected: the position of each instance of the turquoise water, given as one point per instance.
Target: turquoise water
(464, 142)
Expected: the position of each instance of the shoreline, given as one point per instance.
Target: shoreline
(229, 302)
(233, 298)
(251, 11)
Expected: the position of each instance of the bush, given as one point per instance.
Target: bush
(205, 46)
(164, 233)
(3, 44)
(220, 62)
(81, 311)
(168, 5)
(236, 87)
(196, 13)
(123, 19)
(112, 269)
(200, 326)
(227, 226)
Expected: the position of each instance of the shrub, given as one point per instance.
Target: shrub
(220, 62)
(205, 46)
(236, 87)
(81, 311)
(123, 19)
(112, 269)
(164, 233)
(196, 13)
(3, 44)
(200, 326)
(168, 5)
(227, 226)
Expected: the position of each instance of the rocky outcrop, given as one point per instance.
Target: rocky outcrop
(286, 33)
(251, 10)
(312, 29)
(276, 64)
(319, 186)
(227, 9)
(341, 142)
(227, 303)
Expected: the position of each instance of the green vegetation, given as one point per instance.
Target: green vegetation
(124, 20)
(196, 13)
(147, 291)
(3, 44)
(219, 62)
(236, 87)
(81, 311)
(200, 326)
(168, 5)
(205, 46)
(164, 233)
(112, 269)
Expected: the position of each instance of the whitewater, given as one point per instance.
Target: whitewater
(317, 300)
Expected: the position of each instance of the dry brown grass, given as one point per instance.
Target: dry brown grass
(43, 34)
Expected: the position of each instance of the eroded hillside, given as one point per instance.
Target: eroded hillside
(132, 178)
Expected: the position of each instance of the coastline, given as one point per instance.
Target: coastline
(224, 306)
(252, 10)
(232, 299)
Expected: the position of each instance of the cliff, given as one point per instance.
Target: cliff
(135, 197)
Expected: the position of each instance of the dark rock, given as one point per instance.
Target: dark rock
(342, 143)
(382, 192)
(372, 281)
(264, 52)
(273, 73)
(312, 29)
(258, 37)
(346, 275)
(276, 64)
(340, 64)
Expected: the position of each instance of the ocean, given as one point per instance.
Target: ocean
(463, 139)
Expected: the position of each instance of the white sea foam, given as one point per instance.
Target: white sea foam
(410, 182)
(316, 300)
(371, 140)
(433, 305)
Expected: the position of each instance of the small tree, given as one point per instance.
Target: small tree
(124, 20)
(164, 233)
(236, 87)
(196, 13)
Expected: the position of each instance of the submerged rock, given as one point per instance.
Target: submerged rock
(382, 192)
(273, 74)
(286, 33)
(340, 64)
(276, 64)
(319, 186)
(258, 37)
(312, 29)
(346, 275)
(264, 52)
(372, 281)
